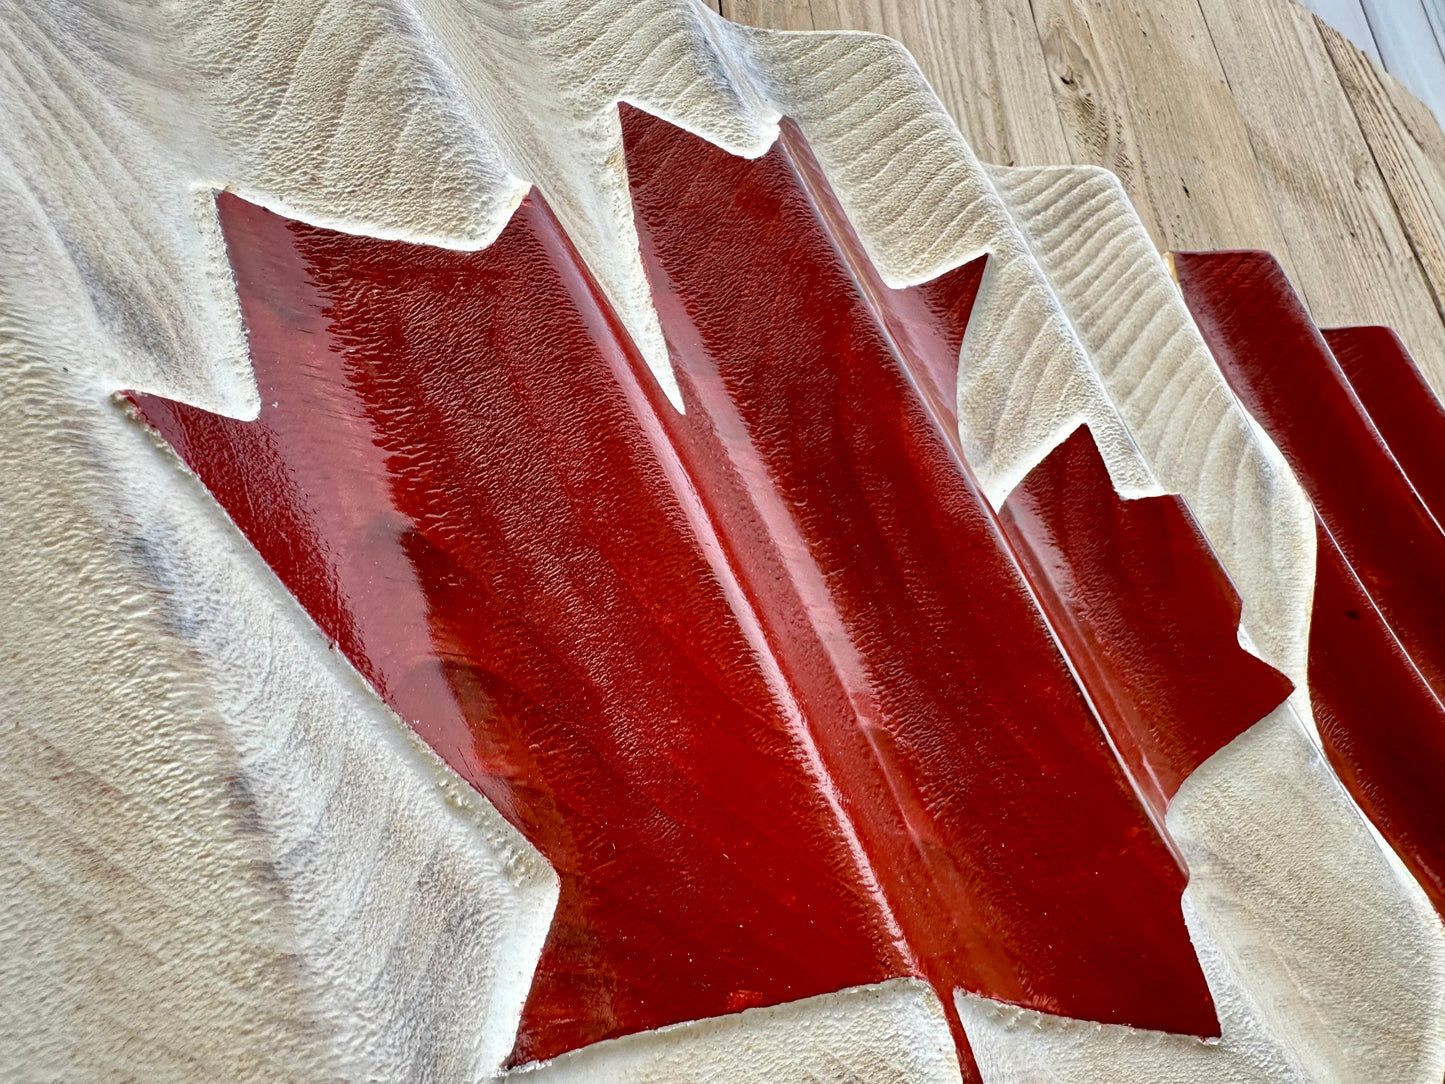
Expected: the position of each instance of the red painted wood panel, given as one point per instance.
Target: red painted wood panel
(1145, 612)
(1278, 364)
(924, 324)
(1377, 632)
(460, 473)
(1003, 823)
(1403, 408)
(1382, 727)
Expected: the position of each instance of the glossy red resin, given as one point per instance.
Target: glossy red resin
(1383, 728)
(1374, 652)
(1403, 408)
(924, 324)
(460, 473)
(763, 681)
(1278, 364)
(1144, 611)
(998, 818)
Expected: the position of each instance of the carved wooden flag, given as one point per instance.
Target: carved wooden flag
(767, 681)
(1365, 436)
(681, 574)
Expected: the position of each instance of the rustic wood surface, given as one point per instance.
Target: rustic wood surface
(1231, 124)
(1405, 37)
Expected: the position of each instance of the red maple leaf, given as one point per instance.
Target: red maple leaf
(765, 681)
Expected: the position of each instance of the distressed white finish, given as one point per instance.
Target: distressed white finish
(427, 120)
(1189, 428)
(891, 1033)
(142, 935)
(224, 858)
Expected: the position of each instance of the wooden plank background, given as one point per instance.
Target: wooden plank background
(1405, 37)
(1232, 123)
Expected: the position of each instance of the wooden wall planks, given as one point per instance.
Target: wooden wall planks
(1352, 261)
(1409, 151)
(1161, 84)
(1232, 123)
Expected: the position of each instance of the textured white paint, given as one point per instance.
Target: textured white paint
(425, 119)
(142, 933)
(891, 1033)
(1405, 32)
(224, 859)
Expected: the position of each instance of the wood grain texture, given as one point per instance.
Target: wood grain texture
(221, 857)
(1409, 151)
(1352, 261)
(921, 204)
(1142, 92)
(1139, 339)
(982, 58)
(1349, 19)
(113, 273)
(1224, 122)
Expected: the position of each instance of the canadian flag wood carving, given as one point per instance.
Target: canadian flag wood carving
(755, 678)
(763, 681)
(726, 588)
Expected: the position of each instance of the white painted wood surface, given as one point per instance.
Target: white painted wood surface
(1349, 18)
(1435, 12)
